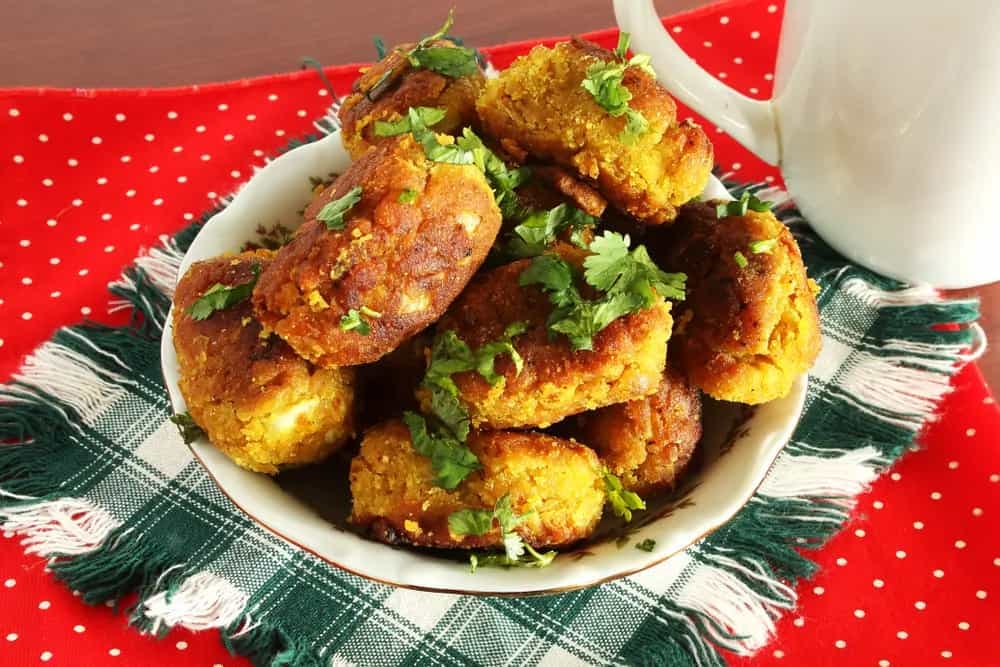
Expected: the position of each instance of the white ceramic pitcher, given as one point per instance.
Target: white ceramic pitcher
(885, 121)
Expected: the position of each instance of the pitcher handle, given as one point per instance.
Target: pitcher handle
(748, 121)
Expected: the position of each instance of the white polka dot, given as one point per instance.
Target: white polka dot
(200, 128)
(149, 136)
(819, 590)
(182, 179)
(24, 243)
(981, 595)
(158, 202)
(120, 117)
(130, 193)
(770, 10)
(67, 116)
(988, 400)
(860, 613)
(72, 162)
(206, 157)
(778, 653)
(96, 140)
(105, 216)
(799, 622)
(181, 645)
(109, 248)
(77, 202)
(177, 149)
(902, 634)
(977, 511)
(895, 477)
(18, 159)
(272, 97)
(723, 20)
(153, 169)
(860, 532)
(83, 272)
(56, 294)
(960, 544)
(769, 77)
(114, 652)
(995, 478)
(920, 604)
(841, 562)
(258, 152)
(878, 583)
(189, 216)
(223, 107)
(45, 656)
(301, 113)
(43, 138)
(722, 75)
(12, 637)
(840, 643)
(44, 604)
(54, 260)
(952, 465)
(970, 432)
(171, 115)
(78, 629)
(212, 195)
(938, 573)
(707, 44)
(738, 60)
(234, 173)
(754, 91)
(878, 504)
(883, 663)
(900, 554)
(14, 113)
(102, 180)
(22, 202)
(946, 654)
(110, 603)
(26, 281)
(279, 133)
(126, 158)
(81, 238)
(10, 583)
(134, 226)
(963, 625)
(754, 35)
(251, 116)
(227, 137)
(322, 91)
(919, 525)
(935, 495)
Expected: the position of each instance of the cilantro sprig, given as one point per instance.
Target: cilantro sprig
(516, 553)
(739, 207)
(622, 500)
(764, 246)
(540, 229)
(354, 320)
(604, 83)
(428, 116)
(333, 213)
(627, 280)
(443, 440)
(646, 545)
(220, 297)
(189, 429)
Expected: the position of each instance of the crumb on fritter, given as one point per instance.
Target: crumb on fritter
(259, 402)
(557, 481)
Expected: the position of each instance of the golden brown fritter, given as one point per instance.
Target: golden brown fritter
(625, 363)
(558, 480)
(405, 261)
(565, 185)
(405, 87)
(257, 401)
(743, 334)
(647, 443)
(537, 107)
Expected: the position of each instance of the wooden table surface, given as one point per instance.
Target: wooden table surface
(117, 43)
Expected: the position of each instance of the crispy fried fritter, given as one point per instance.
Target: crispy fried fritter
(647, 442)
(538, 107)
(558, 481)
(743, 334)
(563, 185)
(405, 261)
(625, 363)
(257, 400)
(405, 87)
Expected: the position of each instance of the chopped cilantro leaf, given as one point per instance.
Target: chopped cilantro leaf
(333, 213)
(604, 83)
(407, 196)
(428, 116)
(516, 552)
(646, 545)
(621, 50)
(612, 268)
(451, 61)
(219, 297)
(470, 522)
(379, 47)
(451, 460)
(739, 207)
(503, 180)
(622, 500)
(189, 430)
(740, 259)
(531, 558)
(763, 247)
(539, 230)
(354, 320)
(449, 411)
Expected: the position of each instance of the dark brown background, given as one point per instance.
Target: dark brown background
(117, 43)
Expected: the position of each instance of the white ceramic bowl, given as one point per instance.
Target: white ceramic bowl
(308, 507)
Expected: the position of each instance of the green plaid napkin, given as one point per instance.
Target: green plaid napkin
(99, 481)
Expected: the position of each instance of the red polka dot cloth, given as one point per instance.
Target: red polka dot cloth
(93, 179)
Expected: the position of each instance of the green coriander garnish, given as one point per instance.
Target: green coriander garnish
(379, 46)
(354, 320)
(451, 460)
(516, 552)
(333, 213)
(740, 259)
(622, 500)
(646, 545)
(407, 196)
(189, 430)
(604, 83)
(539, 230)
(428, 116)
(219, 297)
(739, 207)
(765, 246)
(613, 269)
